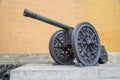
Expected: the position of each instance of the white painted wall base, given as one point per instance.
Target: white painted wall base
(114, 57)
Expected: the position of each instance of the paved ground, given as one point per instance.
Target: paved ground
(71, 72)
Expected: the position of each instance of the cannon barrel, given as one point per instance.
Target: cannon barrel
(31, 14)
(3, 70)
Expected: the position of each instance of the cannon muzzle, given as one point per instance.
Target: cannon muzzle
(31, 14)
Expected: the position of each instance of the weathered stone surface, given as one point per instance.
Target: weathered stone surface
(114, 57)
(58, 72)
(25, 58)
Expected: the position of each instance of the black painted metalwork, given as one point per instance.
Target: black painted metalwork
(6, 69)
(60, 53)
(86, 44)
(104, 56)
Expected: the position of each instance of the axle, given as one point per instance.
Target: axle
(31, 14)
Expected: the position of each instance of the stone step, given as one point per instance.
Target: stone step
(114, 57)
(66, 72)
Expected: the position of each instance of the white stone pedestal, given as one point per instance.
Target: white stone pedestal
(67, 72)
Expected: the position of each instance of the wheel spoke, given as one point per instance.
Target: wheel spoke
(94, 41)
(84, 36)
(91, 37)
(81, 42)
(59, 40)
(58, 47)
(84, 49)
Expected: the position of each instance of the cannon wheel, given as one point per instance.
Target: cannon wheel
(60, 54)
(86, 44)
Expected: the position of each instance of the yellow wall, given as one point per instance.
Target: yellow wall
(19, 34)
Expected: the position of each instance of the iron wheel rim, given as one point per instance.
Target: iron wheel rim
(60, 54)
(86, 51)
